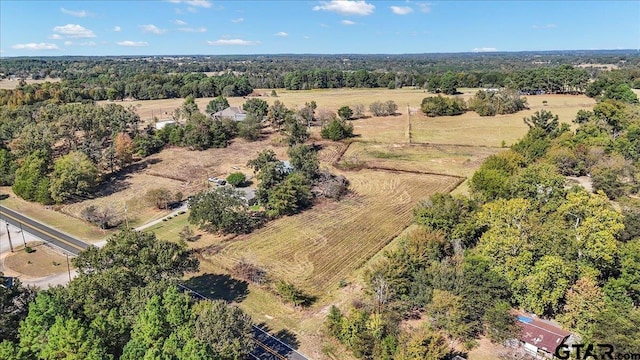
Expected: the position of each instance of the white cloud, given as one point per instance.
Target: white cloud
(179, 22)
(281, 34)
(133, 43)
(117, 28)
(86, 43)
(547, 26)
(74, 31)
(55, 37)
(346, 7)
(238, 20)
(424, 7)
(401, 10)
(195, 30)
(484, 49)
(196, 3)
(77, 13)
(35, 46)
(347, 22)
(150, 28)
(223, 42)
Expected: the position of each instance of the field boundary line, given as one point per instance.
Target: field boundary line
(419, 172)
(342, 152)
(459, 145)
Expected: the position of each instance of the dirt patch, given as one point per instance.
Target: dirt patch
(43, 261)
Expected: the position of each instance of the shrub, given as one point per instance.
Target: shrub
(337, 130)
(291, 294)
(345, 113)
(236, 179)
(29, 249)
(105, 218)
(387, 108)
(442, 106)
(490, 103)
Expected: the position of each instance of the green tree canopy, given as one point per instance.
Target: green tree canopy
(32, 178)
(217, 104)
(138, 253)
(222, 210)
(73, 175)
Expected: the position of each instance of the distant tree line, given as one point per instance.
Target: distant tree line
(153, 78)
(140, 86)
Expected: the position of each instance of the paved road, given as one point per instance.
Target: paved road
(42, 231)
(268, 347)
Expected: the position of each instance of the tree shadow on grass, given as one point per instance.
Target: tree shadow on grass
(284, 335)
(219, 287)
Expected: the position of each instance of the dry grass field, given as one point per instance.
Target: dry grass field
(317, 248)
(441, 159)
(472, 129)
(44, 261)
(12, 84)
(176, 169)
(333, 241)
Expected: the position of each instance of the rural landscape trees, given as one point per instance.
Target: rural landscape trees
(519, 235)
(124, 304)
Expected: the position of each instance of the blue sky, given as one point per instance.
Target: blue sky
(207, 27)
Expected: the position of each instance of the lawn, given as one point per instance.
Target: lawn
(43, 261)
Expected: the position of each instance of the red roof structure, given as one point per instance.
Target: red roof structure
(541, 334)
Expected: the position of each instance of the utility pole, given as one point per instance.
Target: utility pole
(9, 235)
(68, 267)
(126, 218)
(23, 240)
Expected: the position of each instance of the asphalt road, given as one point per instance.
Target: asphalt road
(267, 346)
(42, 231)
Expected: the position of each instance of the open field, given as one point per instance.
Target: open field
(169, 231)
(443, 159)
(317, 248)
(44, 261)
(469, 128)
(12, 84)
(472, 129)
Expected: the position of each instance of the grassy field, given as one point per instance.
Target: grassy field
(443, 159)
(333, 241)
(318, 248)
(44, 261)
(472, 129)
(12, 84)
(47, 215)
(176, 169)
